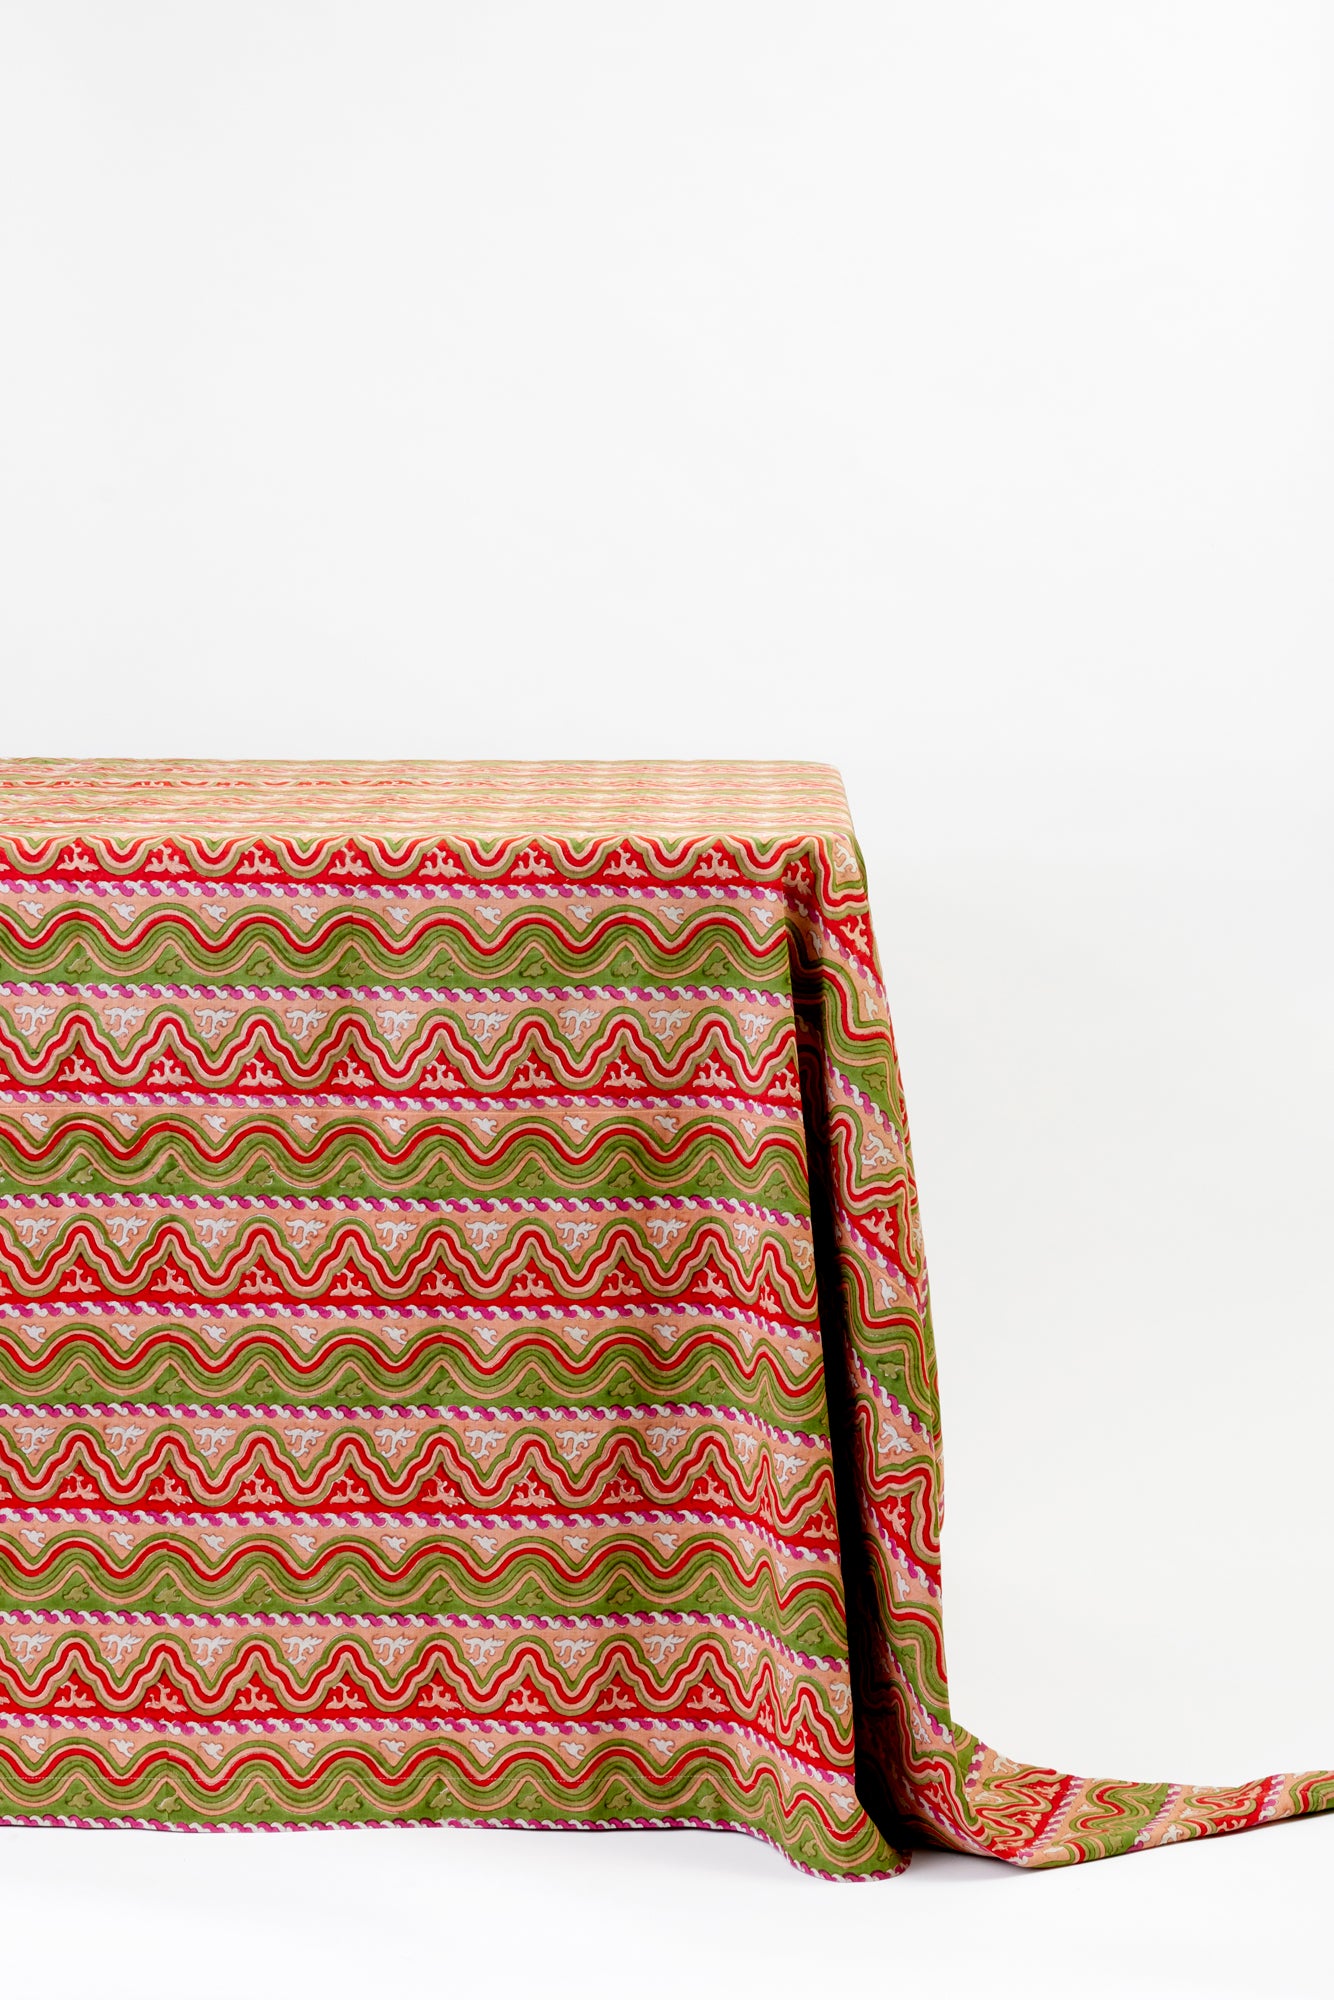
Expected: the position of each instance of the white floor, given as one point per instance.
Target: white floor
(440, 1912)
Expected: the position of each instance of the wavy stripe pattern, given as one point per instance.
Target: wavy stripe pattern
(464, 1337)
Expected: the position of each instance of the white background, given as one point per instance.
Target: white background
(942, 391)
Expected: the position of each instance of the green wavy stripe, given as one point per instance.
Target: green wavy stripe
(710, 952)
(437, 1169)
(619, 1374)
(1134, 1805)
(920, 1654)
(894, 1354)
(526, 1585)
(870, 1069)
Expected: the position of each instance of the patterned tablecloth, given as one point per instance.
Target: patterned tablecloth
(464, 1326)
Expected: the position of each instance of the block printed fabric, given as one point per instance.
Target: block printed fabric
(464, 1325)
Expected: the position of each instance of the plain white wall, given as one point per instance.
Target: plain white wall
(528, 375)
(944, 392)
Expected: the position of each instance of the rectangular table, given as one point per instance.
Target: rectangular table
(463, 1321)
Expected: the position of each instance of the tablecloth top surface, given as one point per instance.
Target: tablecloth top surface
(593, 798)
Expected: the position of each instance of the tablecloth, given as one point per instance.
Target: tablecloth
(464, 1328)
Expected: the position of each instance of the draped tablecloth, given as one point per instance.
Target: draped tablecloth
(463, 1322)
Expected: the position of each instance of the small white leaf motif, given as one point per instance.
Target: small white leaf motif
(570, 1651)
(212, 1020)
(123, 1438)
(663, 1438)
(661, 1646)
(573, 1442)
(211, 1437)
(31, 1015)
(214, 1229)
(395, 1022)
(121, 1647)
(124, 1228)
(482, 1443)
(389, 1647)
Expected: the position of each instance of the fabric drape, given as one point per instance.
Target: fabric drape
(464, 1326)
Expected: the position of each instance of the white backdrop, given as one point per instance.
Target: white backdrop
(943, 392)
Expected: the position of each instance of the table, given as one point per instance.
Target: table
(464, 1324)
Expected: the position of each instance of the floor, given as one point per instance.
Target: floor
(439, 1912)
